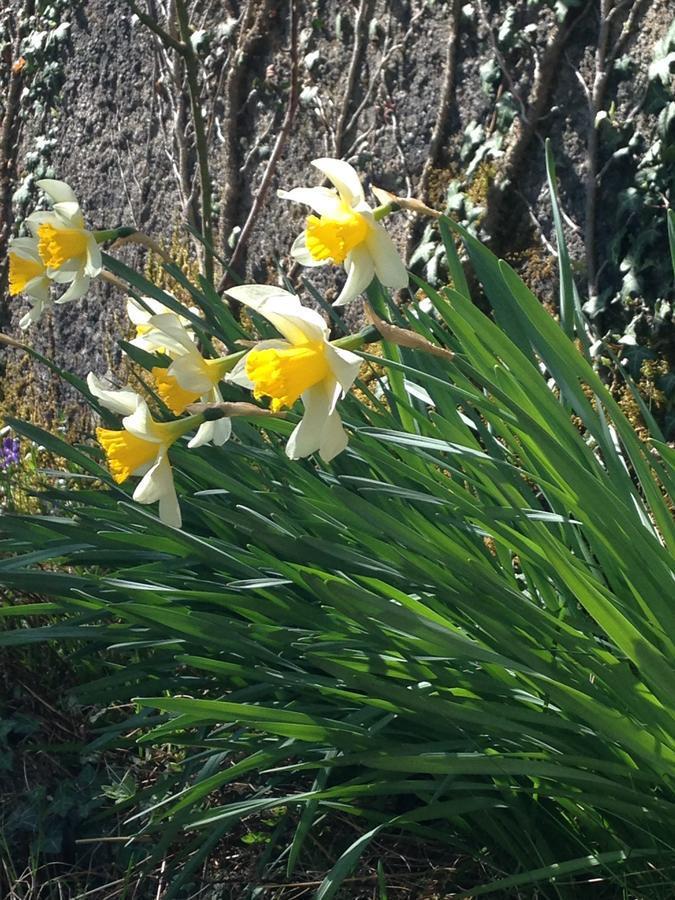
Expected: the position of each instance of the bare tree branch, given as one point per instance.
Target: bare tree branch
(253, 20)
(167, 39)
(439, 133)
(363, 16)
(282, 137)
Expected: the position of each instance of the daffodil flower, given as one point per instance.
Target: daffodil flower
(190, 377)
(68, 250)
(140, 314)
(346, 232)
(27, 275)
(141, 448)
(304, 365)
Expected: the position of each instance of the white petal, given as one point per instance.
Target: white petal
(334, 438)
(94, 262)
(155, 340)
(297, 323)
(360, 271)
(306, 437)
(69, 213)
(238, 374)
(344, 365)
(389, 267)
(169, 508)
(38, 288)
(123, 402)
(139, 314)
(334, 394)
(63, 275)
(170, 325)
(216, 432)
(66, 272)
(149, 489)
(78, 289)
(192, 373)
(25, 247)
(323, 200)
(344, 178)
(222, 431)
(57, 191)
(136, 313)
(254, 295)
(363, 209)
(36, 219)
(141, 424)
(300, 253)
(203, 436)
(34, 314)
(158, 484)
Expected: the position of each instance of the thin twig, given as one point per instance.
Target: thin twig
(439, 133)
(156, 28)
(387, 53)
(145, 241)
(440, 129)
(192, 75)
(10, 127)
(537, 224)
(254, 19)
(282, 137)
(363, 16)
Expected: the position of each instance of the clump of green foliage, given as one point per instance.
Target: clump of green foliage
(460, 629)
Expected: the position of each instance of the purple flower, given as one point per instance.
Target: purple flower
(9, 452)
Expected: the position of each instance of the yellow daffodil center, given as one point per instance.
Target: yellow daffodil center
(125, 452)
(175, 397)
(286, 373)
(56, 245)
(333, 237)
(21, 271)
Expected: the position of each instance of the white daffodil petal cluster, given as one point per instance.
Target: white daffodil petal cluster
(141, 448)
(140, 313)
(345, 232)
(303, 365)
(61, 251)
(28, 275)
(190, 377)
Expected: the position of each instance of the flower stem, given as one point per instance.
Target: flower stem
(113, 234)
(368, 335)
(381, 211)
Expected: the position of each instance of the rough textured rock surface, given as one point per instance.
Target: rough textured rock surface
(380, 82)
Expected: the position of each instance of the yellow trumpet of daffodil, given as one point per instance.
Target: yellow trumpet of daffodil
(69, 251)
(346, 232)
(28, 275)
(304, 365)
(141, 447)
